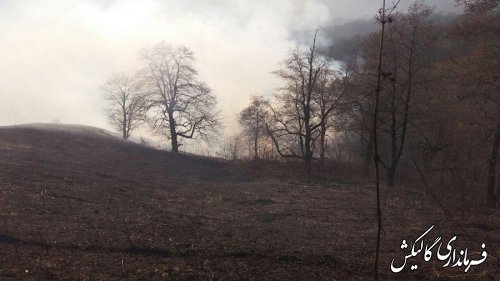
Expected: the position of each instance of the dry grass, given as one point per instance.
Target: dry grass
(75, 206)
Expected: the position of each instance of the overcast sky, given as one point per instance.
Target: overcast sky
(54, 55)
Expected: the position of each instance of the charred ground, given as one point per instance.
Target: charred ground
(77, 203)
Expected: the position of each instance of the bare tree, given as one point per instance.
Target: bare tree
(126, 105)
(231, 148)
(295, 123)
(359, 115)
(252, 120)
(329, 93)
(406, 75)
(384, 19)
(405, 67)
(181, 106)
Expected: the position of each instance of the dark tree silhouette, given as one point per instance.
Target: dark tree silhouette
(294, 121)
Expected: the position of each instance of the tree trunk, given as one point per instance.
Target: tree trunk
(376, 156)
(492, 164)
(235, 150)
(308, 152)
(322, 145)
(256, 146)
(173, 132)
(124, 124)
(391, 169)
(256, 139)
(367, 155)
(249, 147)
(124, 127)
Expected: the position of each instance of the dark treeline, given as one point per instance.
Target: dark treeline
(439, 103)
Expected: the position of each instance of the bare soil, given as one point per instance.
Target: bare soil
(81, 205)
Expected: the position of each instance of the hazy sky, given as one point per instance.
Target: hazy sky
(54, 55)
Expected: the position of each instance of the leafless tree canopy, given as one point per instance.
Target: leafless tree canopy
(252, 120)
(405, 72)
(180, 106)
(302, 113)
(126, 103)
(437, 95)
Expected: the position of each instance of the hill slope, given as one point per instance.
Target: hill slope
(87, 154)
(75, 193)
(77, 203)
